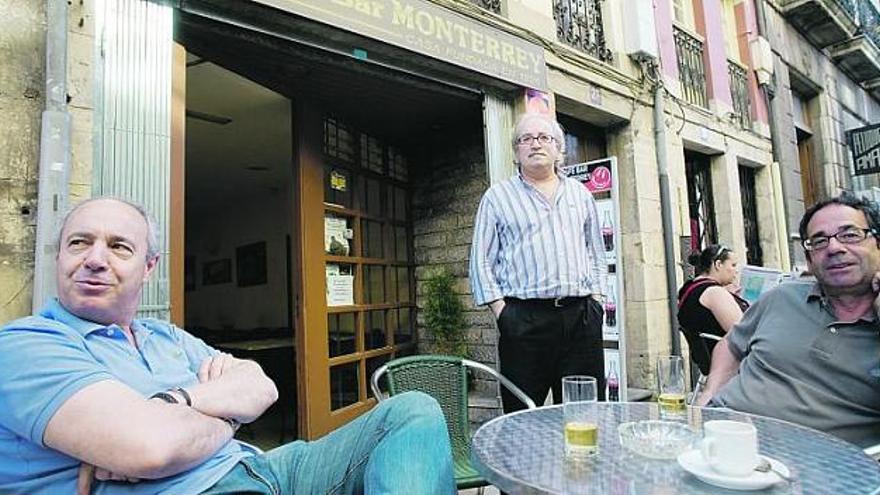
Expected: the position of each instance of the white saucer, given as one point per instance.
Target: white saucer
(692, 461)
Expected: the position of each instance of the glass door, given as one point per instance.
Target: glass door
(357, 247)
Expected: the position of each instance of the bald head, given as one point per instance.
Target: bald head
(152, 235)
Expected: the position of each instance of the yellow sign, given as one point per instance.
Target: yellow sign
(431, 30)
(337, 181)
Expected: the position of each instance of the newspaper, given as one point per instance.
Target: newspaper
(755, 280)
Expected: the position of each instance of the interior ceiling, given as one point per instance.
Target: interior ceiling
(248, 78)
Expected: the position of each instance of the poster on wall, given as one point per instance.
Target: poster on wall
(599, 177)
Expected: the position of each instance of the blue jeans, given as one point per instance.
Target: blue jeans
(401, 446)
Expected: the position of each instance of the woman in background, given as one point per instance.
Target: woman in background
(708, 303)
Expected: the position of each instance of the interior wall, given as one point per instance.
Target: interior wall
(214, 234)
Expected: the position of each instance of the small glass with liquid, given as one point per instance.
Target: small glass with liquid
(580, 419)
(670, 385)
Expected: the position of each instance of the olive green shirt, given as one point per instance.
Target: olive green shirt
(800, 364)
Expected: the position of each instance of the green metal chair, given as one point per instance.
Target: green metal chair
(446, 379)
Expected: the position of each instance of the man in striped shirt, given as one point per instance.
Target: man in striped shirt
(537, 260)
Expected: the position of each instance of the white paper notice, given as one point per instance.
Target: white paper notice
(335, 236)
(340, 290)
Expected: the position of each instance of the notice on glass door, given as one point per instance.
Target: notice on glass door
(340, 287)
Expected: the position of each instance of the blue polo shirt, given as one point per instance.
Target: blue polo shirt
(46, 359)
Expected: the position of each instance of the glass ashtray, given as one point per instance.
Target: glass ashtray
(656, 439)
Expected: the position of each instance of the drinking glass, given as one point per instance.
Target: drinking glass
(581, 428)
(670, 384)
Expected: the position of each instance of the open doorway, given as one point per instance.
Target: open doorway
(239, 201)
(328, 150)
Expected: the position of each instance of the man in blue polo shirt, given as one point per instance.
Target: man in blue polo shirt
(94, 400)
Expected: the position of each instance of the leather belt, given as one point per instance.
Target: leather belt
(556, 302)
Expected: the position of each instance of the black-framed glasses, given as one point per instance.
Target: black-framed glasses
(528, 139)
(850, 235)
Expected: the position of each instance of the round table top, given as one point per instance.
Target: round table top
(523, 453)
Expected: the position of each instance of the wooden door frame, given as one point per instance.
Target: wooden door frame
(177, 211)
(316, 416)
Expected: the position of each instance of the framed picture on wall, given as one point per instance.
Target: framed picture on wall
(217, 272)
(189, 273)
(250, 264)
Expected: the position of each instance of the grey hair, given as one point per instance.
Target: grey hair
(152, 226)
(555, 130)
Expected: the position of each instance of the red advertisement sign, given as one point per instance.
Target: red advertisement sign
(595, 175)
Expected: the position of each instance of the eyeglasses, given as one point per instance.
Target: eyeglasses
(851, 235)
(528, 139)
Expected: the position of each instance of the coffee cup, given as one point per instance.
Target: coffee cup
(730, 447)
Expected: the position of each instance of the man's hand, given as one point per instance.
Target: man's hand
(232, 388)
(703, 398)
(875, 286)
(87, 473)
(497, 306)
(212, 367)
(84, 479)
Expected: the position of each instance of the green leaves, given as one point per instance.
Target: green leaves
(444, 313)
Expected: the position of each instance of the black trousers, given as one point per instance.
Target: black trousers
(539, 343)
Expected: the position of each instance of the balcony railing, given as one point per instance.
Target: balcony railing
(869, 21)
(823, 22)
(691, 69)
(848, 6)
(739, 91)
(492, 5)
(859, 56)
(579, 24)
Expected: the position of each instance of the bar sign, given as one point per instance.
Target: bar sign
(864, 143)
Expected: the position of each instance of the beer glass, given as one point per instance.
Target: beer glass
(670, 384)
(581, 429)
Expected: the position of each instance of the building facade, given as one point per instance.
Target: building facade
(313, 162)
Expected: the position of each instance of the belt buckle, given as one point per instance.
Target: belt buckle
(557, 302)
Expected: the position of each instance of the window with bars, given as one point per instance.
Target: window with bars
(701, 204)
(490, 5)
(754, 254)
(691, 66)
(579, 24)
(739, 92)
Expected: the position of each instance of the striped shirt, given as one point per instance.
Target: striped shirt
(529, 247)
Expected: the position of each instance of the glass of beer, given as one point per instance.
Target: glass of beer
(670, 384)
(581, 429)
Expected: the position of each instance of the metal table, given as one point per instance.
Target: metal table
(523, 453)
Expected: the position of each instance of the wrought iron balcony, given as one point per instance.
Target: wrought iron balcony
(691, 67)
(579, 24)
(859, 56)
(823, 22)
(491, 5)
(739, 92)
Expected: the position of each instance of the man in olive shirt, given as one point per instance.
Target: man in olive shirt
(809, 352)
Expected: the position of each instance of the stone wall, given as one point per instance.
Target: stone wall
(22, 83)
(447, 191)
(835, 104)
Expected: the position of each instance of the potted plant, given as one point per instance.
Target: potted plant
(444, 313)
